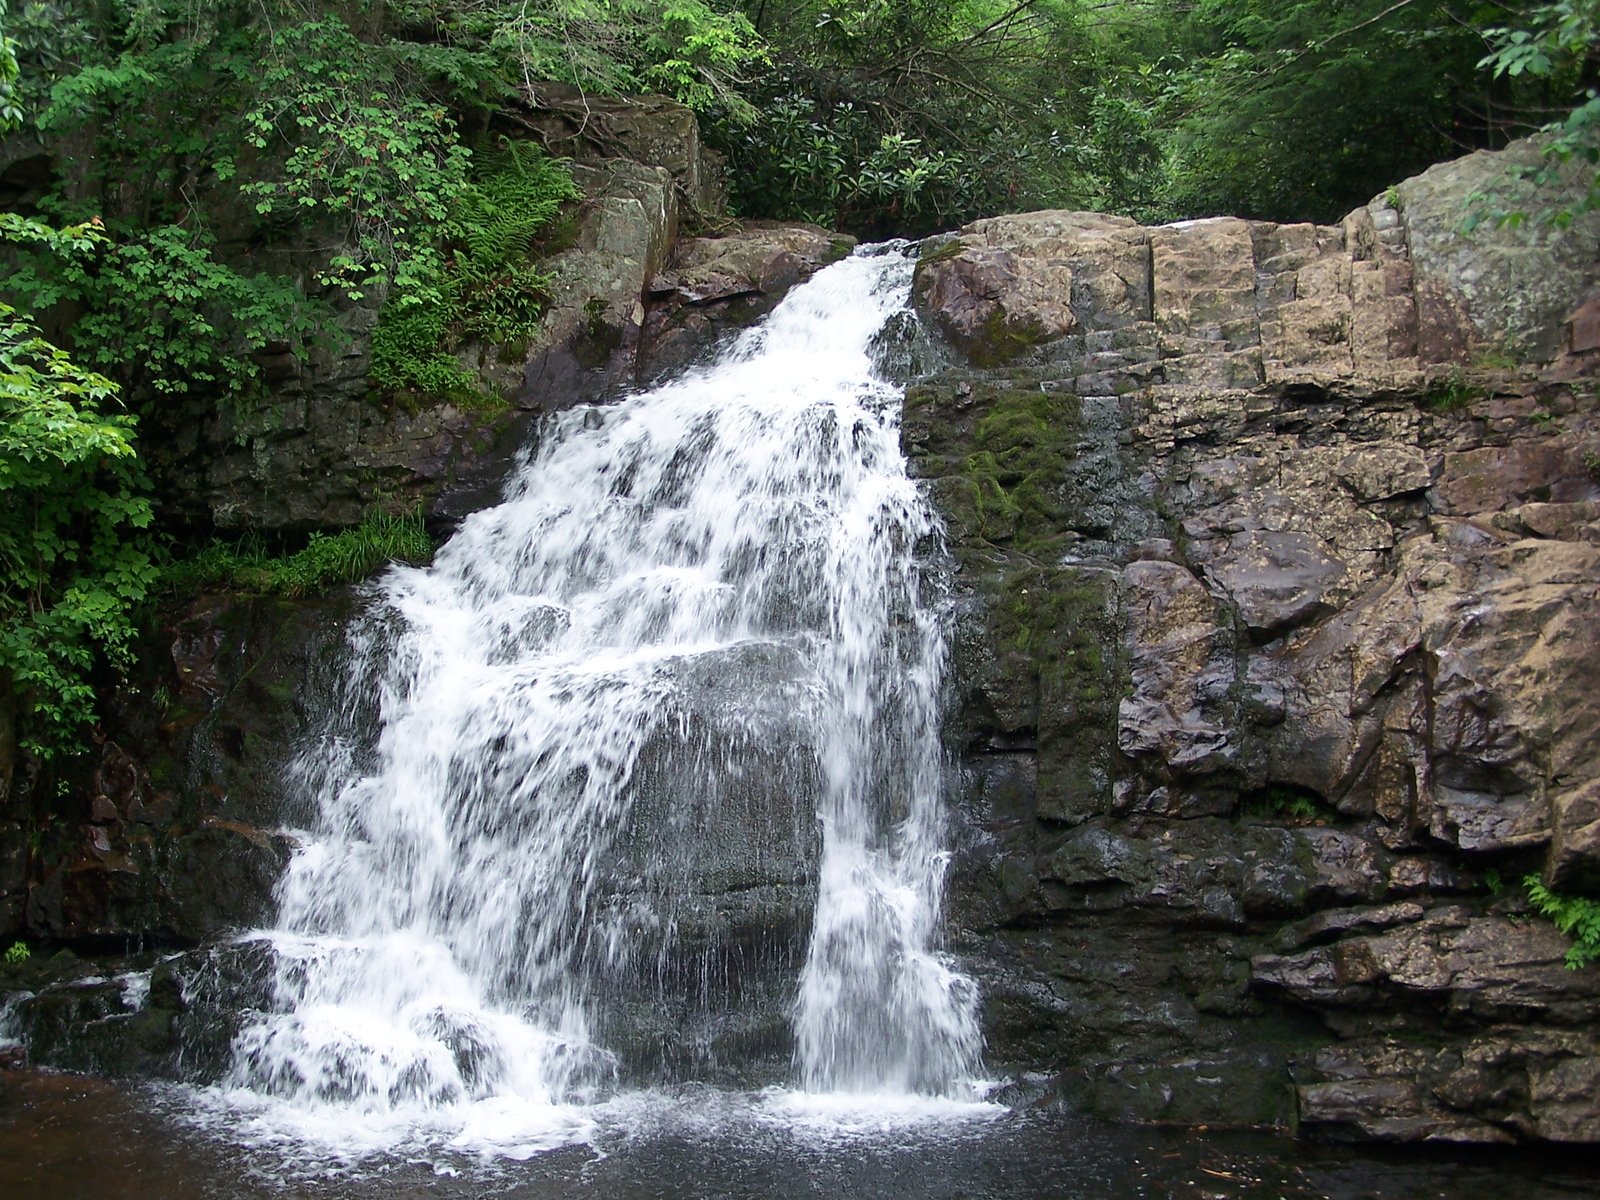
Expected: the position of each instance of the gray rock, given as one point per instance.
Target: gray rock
(1515, 284)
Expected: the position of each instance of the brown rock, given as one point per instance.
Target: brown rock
(1275, 580)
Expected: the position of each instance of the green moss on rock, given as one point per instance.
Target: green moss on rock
(1060, 628)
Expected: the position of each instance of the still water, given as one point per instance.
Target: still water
(67, 1137)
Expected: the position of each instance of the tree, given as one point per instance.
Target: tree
(1558, 47)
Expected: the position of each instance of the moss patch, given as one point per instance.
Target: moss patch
(1066, 624)
(1008, 487)
(1002, 339)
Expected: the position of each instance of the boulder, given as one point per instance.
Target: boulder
(1515, 284)
(715, 285)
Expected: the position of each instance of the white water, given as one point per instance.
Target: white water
(699, 598)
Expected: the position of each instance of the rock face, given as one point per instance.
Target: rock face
(320, 446)
(179, 836)
(1280, 607)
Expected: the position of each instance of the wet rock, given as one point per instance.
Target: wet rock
(1354, 581)
(651, 130)
(178, 834)
(714, 286)
(1510, 1083)
(1182, 673)
(1275, 580)
(1007, 284)
(1485, 967)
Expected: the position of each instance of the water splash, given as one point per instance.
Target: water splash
(698, 606)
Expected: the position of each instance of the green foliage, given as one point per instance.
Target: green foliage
(912, 115)
(347, 138)
(1302, 110)
(692, 50)
(17, 954)
(838, 168)
(486, 287)
(1452, 392)
(10, 75)
(162, 310)
(74, 555)
(408, 354)
(326, 561)
(1284, 801)
(1576, 916)
(1558, 46)
(385, 165)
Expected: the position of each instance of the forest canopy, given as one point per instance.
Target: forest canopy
(187, 186)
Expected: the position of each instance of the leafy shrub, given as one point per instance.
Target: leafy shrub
(74, 552)
(486, 286)
(361, 150)
(1557, 48)
(1576, 916)
(691, 50)
(161, 310)
(1452, 392)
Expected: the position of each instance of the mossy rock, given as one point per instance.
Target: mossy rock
(998, 447)
(1071, 619)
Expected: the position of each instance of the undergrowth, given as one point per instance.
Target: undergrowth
(487, 288)
(326, 561)
(1576, 916)
(1451, 393)
(1283, 801)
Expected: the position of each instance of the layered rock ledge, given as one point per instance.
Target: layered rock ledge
(1279, 583)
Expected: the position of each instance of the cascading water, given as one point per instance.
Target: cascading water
(698, 594)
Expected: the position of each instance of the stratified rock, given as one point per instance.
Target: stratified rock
(1010, 283)
(1359, 600)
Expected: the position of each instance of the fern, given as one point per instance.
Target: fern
(516, 193)
(1576, 916)
(487, 287)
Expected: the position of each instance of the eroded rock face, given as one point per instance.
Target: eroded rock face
(1277, 631)
(179, 836)
(713, 286)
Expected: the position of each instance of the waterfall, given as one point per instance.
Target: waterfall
(712, 596)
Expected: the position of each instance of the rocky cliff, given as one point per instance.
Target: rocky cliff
(319, 445)
(1279, 557)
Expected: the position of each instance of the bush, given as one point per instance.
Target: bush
(74, 549)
